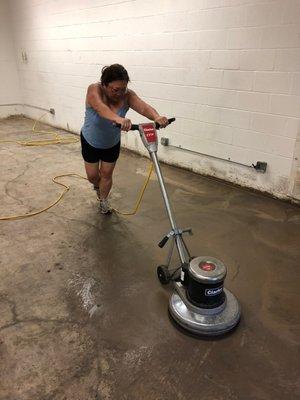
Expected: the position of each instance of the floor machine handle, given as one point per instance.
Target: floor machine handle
(135, 127)
(163, 241)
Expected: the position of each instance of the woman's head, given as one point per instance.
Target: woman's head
(114, 72)
(114, 79)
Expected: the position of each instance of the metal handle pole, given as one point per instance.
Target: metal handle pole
(178, 239)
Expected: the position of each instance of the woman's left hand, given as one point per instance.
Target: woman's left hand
(162, 121)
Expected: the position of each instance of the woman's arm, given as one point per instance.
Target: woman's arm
(141, 107)
(94, 100)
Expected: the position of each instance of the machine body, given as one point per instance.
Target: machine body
(200, 304)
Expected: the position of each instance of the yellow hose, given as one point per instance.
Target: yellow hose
(66, 188)
(139, 200)
(57, 139)
(60, 140)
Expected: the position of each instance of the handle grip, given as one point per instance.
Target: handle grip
(135, 127)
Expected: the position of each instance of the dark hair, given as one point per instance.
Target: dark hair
(114, 72)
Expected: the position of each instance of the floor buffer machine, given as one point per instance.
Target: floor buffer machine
(199, 304)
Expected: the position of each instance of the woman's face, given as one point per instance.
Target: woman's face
(116, 90)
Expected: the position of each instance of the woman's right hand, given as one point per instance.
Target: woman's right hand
(125, 124)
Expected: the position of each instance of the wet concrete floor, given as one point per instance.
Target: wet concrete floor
(82, 314)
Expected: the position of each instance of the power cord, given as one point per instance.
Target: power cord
(57, 139)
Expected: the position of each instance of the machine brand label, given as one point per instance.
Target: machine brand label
(213, 291)
(149, 132)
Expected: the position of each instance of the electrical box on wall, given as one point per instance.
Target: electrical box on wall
(260, 166)
(164, 141)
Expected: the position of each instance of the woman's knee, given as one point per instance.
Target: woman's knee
(93, 178)
(92, 172)
(107, 175)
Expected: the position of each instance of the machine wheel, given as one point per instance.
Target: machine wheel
(163, 274)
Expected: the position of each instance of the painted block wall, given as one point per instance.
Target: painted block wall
(228, 70)
(9, 79)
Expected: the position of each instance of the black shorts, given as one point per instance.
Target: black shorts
(92, 154)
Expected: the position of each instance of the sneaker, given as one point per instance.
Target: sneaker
(97, 189)
(105, 208)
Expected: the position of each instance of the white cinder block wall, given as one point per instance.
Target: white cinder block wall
(9, 80)
(228, 70)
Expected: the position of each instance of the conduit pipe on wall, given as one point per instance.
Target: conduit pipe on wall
(260, 166)
(50, 110)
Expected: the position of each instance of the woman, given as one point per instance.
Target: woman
(107, 103)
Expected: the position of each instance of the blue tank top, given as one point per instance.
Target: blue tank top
(100, 132)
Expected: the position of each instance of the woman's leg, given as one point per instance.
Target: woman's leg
(106, 172)
(92, 173)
